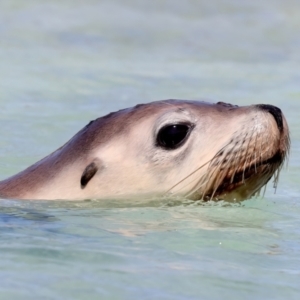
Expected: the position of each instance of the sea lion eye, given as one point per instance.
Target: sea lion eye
(172, 136)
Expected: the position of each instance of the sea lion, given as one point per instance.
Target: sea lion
(193, 149)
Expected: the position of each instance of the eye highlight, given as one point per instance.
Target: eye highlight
(173, 135)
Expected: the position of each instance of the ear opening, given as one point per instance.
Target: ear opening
(88, 174)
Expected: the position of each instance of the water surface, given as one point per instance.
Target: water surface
(64, 63)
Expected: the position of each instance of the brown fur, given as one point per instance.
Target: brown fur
(228, 160)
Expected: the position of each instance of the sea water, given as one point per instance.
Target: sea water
(64, 63)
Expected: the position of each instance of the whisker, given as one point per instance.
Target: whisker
(208, 162)
(185, 178)
(235, 164)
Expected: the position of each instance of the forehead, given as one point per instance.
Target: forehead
(160, 107)
(168, 105)
(140, 125)
(153, 110)
(123, 120)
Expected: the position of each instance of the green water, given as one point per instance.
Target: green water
(64, 63)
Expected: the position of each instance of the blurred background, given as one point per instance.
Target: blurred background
(64, 63)
(76, 60)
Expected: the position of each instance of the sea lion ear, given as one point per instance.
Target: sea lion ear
(88, 173)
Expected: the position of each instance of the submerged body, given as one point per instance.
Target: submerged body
(192, 149)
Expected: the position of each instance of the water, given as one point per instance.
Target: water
(64, 63)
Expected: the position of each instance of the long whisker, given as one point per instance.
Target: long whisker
(185, 178)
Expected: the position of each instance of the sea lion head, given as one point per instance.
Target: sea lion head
(191, 149)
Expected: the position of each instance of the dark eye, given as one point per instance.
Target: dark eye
(172, 136)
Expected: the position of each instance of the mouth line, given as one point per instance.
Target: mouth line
(229, 184)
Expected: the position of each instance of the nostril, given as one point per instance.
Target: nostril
(275, 112)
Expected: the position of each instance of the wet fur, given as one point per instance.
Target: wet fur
(241, 161)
